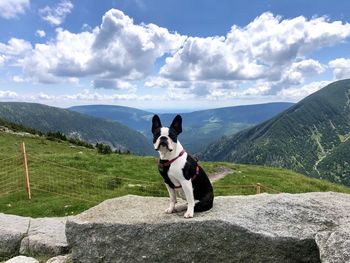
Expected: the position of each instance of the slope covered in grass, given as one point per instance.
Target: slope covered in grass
(54, 168)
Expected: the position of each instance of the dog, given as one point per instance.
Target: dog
(180, 171)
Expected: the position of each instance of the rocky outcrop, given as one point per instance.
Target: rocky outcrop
(22, 259)
(28, 236)
(262, 228)
(12, 231)
(46, 236)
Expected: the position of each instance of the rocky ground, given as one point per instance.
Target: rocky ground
(313, 227)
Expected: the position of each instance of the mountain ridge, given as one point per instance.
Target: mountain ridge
(91, 129)
(200, 127)
(302, 138)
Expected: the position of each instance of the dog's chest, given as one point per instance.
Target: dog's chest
(176, 170)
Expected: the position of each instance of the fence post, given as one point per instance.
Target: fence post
(258, 188)
(26, 175)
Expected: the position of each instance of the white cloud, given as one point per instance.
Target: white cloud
(40, 33)
(57, 14)
(341, 68)
(2, 59)
(15, 47)
(297, 93)
(113, 84)
(117, 49)
(263, 49)
(12, 8)
(8, 94)
(12, 52)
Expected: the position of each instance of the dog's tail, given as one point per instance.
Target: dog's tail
(204, 204)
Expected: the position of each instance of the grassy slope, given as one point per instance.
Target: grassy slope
(126, 166)
(303, 138)
(45, 119)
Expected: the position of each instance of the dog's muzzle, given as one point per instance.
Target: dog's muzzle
(163, 142)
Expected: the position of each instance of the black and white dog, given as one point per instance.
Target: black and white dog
(180, 170)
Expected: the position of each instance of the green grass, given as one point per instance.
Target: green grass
(67, 180)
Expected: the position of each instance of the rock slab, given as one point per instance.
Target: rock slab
(25, 235)
(12, 230)
(22, 259)
(260, 228)
(46, 236)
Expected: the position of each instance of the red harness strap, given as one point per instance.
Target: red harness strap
(172, 160)
(162, 165)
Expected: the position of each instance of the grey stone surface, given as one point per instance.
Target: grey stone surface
(46, 236)
(61, 259)
(260, 228)
(12, 230)
(22, 259)
(334, 245)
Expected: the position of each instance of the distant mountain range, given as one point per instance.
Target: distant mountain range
(311, 137)
(73, 124)
(200, 127)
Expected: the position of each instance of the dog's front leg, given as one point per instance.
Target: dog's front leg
(172, 195)
(188, 190)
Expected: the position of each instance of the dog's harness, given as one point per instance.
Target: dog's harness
(168, 163)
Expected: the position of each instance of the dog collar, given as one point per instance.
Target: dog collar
(168, 163)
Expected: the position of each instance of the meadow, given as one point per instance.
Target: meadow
(67, 179)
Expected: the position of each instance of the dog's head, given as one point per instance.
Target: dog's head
(164, 138)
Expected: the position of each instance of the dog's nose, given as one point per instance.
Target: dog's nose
(163, 139)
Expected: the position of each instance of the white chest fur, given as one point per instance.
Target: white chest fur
(175, 172)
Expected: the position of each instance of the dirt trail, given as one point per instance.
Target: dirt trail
(220, 173)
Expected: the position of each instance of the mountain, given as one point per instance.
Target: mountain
(68, 180)
(73, 124)
(133, 118)
(200, 127)
(311, 137)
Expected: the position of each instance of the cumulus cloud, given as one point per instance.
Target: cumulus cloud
(118, 48)
(263, 49)
(267, 57)
(298, 93)
(8, 94)
(341, 68)
(13, 51)
(113, 84)
(40, 33)
(15, 47)
(12, 8)
(57, 14)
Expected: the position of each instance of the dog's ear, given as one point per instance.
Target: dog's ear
(177, 124)
(156, 124)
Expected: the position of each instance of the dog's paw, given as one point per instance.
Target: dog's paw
(170, 210)
(188, 214)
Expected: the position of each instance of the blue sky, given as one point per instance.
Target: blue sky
(184, 54)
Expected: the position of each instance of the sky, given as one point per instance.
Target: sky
(171, 54)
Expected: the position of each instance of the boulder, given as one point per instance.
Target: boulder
(61, 259)
(260, 228)
(22, 259)
(46, 236)
(12, 230)
(334, 245)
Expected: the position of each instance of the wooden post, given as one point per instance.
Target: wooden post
(26, 175)
(258, 188)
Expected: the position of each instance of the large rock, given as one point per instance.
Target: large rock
(261, 228)
(22, 259)
(61, 259)
(46, 236)
(25, 235)
(12, 230)
(334, 245)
